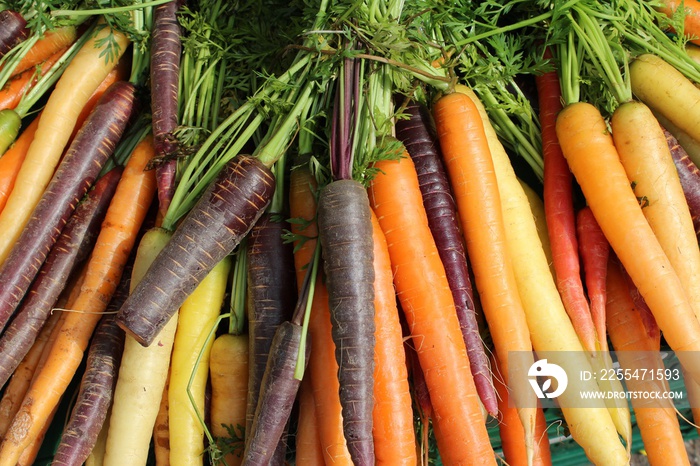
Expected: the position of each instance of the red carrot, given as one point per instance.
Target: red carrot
(594, 250)
(689, 175)
(559, 211)
(442, 219)
(76, 173)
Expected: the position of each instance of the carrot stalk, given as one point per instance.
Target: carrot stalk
(51, 42)
(72, 247)
(223, 215)
(442, 217)
(75, 174)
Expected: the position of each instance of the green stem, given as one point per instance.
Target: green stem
(508, 28)
(301, 358)
(238, 290)
(106, 11)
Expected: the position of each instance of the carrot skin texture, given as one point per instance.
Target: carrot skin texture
(426, 300)
(96, 390)
(11, 161)
(308, 443)
(442, 218)
(271, 298)
(322, 365)
(13, 30)
(585, 133)
(277, 393)
(165, 69)
(76, 173)
(689, 176)
(559, 210)
(71, 248)
(221, 218)
(594, 251)
(124, 218)
(393, 432)
(345, 232)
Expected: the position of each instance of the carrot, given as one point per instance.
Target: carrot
(658, 424)
(666, 91)
(223, 215)
(537, 207)
(308, 443)
(427, 303)
(549, 325)
(605, 185)
(13, 29)
(473, 179)
(72, 248)
(594, 250)
(136, 397)
(122, 223)
(648, 162)
(393, 433)
(161, 429)
(85, 72)
(511, 430)
(228, 369)
(689, 144)
(76, 173)
(190, 363)
(689, 176)
(10, 123)
(21, 377)
(270, 302)
(96, 389)
(11, 94)
(559, 211)
(46, 46)
(11, 161)
(691, 16)
(165, 70)
(442, 217)
(323, 367)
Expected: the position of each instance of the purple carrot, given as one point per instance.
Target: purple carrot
(88, 152)
(96, 387)
(13, 30)
(690, 178)
(224, 214)
(271, 297)
(165, 74)
(71, 248)
(440, 206)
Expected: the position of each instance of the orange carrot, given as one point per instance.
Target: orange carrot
(658, 424)
(11, 94)
(308, 442)
(691, 20)
(472, 174)
(582, 132)
(52, 42)
(11, 161)
(112, 249)
(394, 437)
(161, 437)
(511, 430)
(426, 300)
(322, 365)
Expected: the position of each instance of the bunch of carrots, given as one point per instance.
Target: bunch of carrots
(348, 245)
